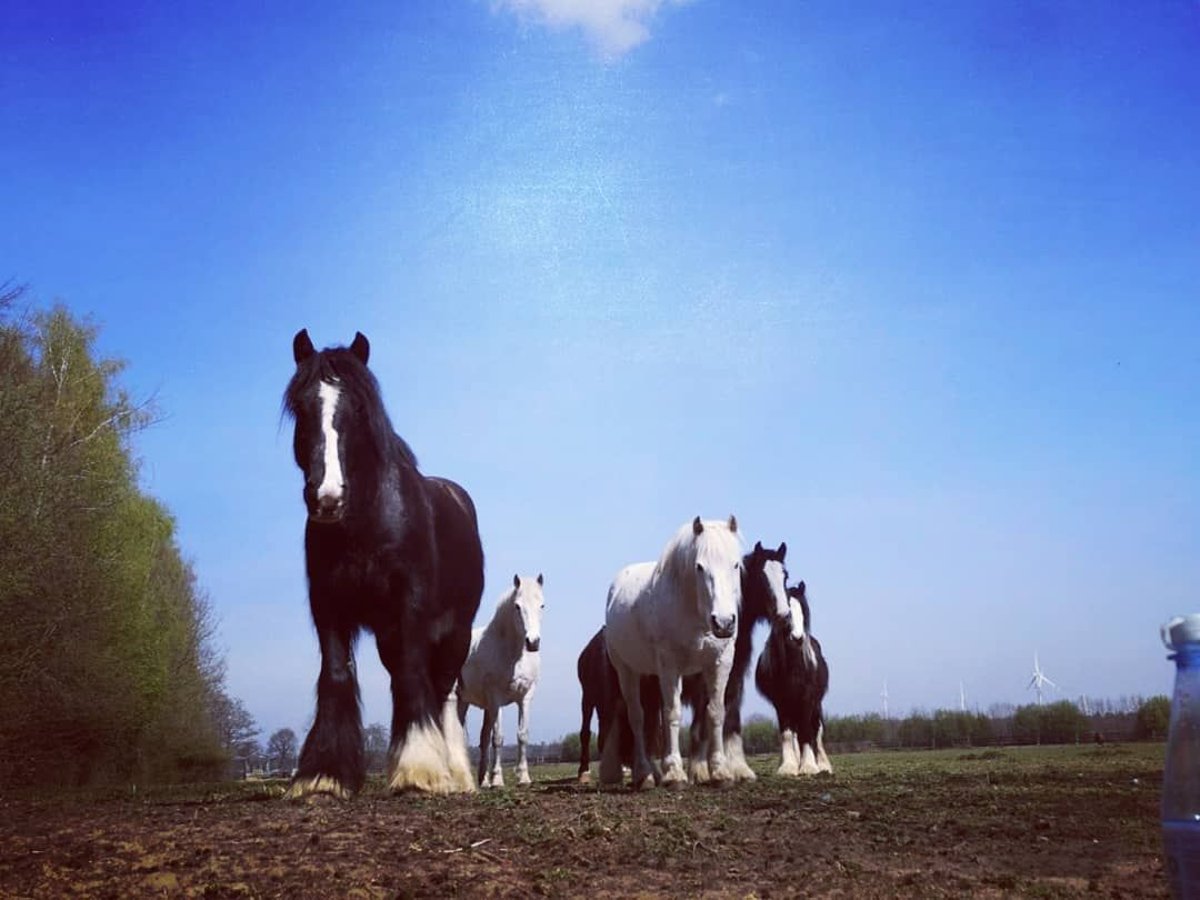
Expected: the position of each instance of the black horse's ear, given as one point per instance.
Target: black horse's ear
(361, 347)
(758, 548)
(800, 588)
(733, 523)
(782, 551)
(697, 525)
(516, 581)
(302, 346)
(540, 580)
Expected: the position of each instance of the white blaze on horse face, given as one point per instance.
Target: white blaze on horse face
(773, 570)
(333, 482)
(797, 611)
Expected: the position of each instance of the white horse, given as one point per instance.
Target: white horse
(673, 618)
(503, 667)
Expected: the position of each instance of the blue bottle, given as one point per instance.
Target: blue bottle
(1181, 776)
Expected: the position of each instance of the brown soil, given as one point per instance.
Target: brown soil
(1027, 822)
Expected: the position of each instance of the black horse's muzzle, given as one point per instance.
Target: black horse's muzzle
(325, 510)
(533, 644)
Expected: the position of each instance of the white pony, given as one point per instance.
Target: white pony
(673, 618)
(503, 667)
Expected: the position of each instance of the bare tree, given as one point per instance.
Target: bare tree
(281, 750)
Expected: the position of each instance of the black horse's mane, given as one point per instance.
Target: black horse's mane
(340, 366)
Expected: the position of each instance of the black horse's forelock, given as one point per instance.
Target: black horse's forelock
(339, 366)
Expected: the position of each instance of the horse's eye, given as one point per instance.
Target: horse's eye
(700, 568)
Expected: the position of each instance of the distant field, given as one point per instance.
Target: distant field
(1023, 821)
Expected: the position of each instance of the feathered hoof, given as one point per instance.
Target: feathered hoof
(524, 780)
(722, 777)
(585, 777)
(675, 779)
(646, 784)
(698, 772)
(317, 787)
(741, 770)
(788, 770)
(425, 763)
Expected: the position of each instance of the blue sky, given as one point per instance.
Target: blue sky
(917, 291)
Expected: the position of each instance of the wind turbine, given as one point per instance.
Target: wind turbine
(962, 697)
(1039, 679)
(884, 695)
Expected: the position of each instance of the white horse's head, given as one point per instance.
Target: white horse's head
(715, 553)
(527, 605)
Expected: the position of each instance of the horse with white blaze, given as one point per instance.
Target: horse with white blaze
(389, 550)
(671, 618)
(503, 667)
(793, 675)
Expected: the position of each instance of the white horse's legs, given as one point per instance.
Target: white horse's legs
(643, 772)
(497, 750)
(672, 688)
(716, 679)
(823, 763)
(808, 760)
(453, 712)
(523, 740)
(789, 753)
(736, 755)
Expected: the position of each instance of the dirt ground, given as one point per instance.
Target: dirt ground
(1045, 822)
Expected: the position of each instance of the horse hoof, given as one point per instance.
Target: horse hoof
(317, 787)
(699, 772)
(585, 778)
(722, 778)
(646, 784)
(524, 781)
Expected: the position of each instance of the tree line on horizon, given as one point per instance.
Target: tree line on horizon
(108, 669)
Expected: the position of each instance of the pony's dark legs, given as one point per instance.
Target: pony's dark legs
(331, 761)
(585, 740)
(485, 740)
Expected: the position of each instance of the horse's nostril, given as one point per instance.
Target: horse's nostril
(533, 645)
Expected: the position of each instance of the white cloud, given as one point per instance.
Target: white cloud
(614, 26)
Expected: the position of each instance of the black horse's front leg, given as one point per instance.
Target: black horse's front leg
(428, 748)
(332, 760)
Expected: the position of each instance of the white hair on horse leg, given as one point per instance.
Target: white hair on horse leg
(789, 761)
(457, 759)
(808, 760)
(736, 755)
(318, 784)
(421, 762)
(823, 763)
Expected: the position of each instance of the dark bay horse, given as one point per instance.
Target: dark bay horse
(389, 550)
(602, 695)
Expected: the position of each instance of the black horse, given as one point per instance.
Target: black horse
(764, 599)
(793, 675)
(602, 695)
(389, 550)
